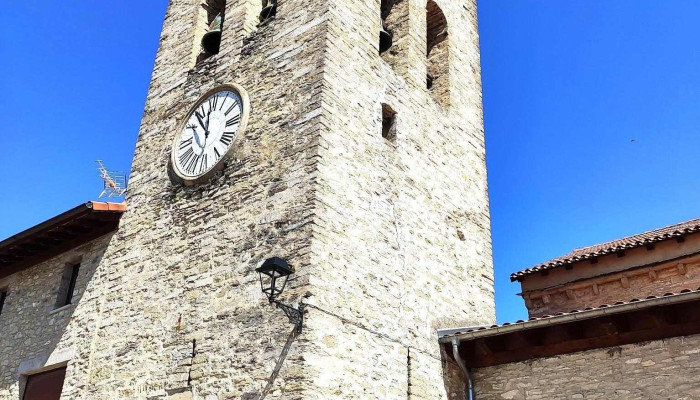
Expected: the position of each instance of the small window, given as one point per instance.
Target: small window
(3, 296)
(388, 122)
(67, 289)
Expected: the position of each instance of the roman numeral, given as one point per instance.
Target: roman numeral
(185, 144)
(235, 103)
(212, 102)
(186, 156)
(203, 165)
(233, 120)
(227, 138)
(192, 164)
(223, 102)
(216, 151)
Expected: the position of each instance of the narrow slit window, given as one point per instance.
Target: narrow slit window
(67, 289)
(3, 296)
(388, 122)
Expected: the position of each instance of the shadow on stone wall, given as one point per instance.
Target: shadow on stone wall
(455, 383)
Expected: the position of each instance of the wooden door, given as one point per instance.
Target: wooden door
(45, 385)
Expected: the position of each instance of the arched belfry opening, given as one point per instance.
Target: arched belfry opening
(393, 34)
(438, 54)
(269, 10)
(209, 28)
(386, 35)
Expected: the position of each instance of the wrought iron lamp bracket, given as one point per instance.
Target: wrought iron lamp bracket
(295, 315)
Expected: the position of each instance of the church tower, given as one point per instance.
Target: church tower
(345, 137)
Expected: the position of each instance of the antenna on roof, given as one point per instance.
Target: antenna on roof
(114, 181)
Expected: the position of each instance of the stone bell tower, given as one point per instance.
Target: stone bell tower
(361, 166)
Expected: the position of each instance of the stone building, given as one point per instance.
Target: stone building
(273, 129)
(613, 321)
(46, 273)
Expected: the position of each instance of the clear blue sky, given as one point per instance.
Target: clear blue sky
(567, 86)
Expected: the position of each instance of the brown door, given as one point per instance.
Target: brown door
(45, 386)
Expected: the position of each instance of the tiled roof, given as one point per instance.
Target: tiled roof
(579, 314)
(614, 246)
(107, 206)
(59, 234)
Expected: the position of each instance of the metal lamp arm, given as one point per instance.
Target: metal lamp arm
(295, 315)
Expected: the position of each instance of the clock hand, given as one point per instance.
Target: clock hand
(201, 122)
(204, 126)
(206, 130)
(196, 139)
(196, 135)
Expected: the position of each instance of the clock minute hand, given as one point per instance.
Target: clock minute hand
(206, 128)
(201, 122)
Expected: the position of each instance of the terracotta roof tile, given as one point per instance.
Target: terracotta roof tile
(614, 246)
(102, 206)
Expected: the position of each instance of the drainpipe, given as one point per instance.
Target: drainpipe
(470, 382)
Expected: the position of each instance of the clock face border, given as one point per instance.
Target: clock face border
(178, 176)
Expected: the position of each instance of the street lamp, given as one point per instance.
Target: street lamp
(274, 273)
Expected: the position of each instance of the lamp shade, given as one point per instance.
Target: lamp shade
(274, 273)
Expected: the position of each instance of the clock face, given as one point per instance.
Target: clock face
(206, 138)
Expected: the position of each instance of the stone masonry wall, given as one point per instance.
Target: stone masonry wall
(402, 243)
(181, 313)
(34, 334)
(663, 369)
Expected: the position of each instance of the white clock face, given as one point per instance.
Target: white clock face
(208, 134)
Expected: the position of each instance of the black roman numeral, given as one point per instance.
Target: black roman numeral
(185, 157)
(216, 151)
(235, 103)
(203, 164)
(187, 143)
(233, 120)
(192, 164)
(227, 138)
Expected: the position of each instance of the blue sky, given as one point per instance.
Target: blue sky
(568, 85)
